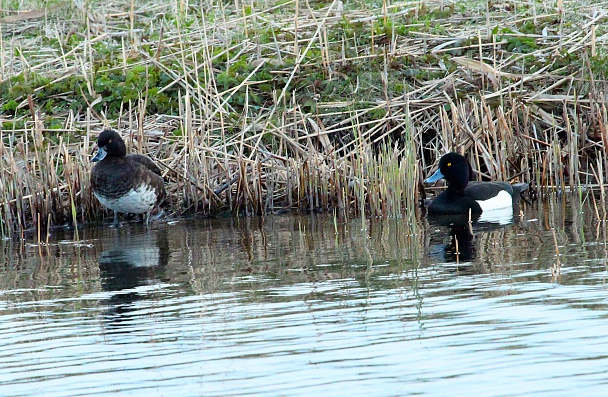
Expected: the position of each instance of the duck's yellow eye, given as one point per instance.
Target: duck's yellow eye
(449, 164)
(110, 141)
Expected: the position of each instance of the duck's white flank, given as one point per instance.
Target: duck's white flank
(137, 201)
(502, 200)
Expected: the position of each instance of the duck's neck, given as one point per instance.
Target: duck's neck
(459, 182)
(113, 159)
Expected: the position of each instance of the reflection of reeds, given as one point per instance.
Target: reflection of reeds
(276, 139)
(556, 268)
(257, 254)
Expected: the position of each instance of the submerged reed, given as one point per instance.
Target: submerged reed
(253, 108)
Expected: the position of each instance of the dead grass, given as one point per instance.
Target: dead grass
(294, 105)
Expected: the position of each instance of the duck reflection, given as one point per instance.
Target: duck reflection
(462, 233)
(132, 261)
(461, 247)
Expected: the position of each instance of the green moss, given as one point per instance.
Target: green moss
(599, 65)
(13, 125)
(117, 88)
(10, 106)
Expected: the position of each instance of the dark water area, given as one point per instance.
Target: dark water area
(311, 305)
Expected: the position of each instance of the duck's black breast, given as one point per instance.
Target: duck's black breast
(454, 202)
(127, 185)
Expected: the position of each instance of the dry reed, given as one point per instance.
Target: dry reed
(273, 139)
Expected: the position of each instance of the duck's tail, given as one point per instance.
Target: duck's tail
(519, 188)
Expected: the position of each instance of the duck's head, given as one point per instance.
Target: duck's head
(109, 143)
(454, 168)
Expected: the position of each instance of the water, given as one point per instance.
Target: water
(303, 305)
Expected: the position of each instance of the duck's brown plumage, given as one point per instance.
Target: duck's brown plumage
(125, 183)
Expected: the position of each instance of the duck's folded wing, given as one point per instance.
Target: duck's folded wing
(482, 191)
(145, 161)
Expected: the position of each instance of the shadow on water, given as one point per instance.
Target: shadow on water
(134, 258)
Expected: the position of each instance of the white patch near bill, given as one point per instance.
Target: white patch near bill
(502, 200)
(137, 201)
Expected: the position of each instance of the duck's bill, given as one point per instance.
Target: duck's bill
(101, 154)
(435, 177)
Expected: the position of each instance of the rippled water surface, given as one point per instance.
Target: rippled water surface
(309, 305)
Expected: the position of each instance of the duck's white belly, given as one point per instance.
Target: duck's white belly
(136, 201)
